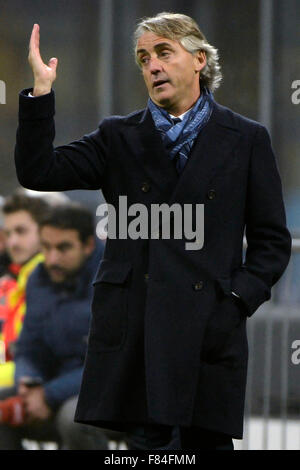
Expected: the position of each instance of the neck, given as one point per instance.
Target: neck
(180, 108)
(29, 259)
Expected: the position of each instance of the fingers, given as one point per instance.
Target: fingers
(53, 63)
(22, 390)
(44, 75)
(34, 44)
(28, 418)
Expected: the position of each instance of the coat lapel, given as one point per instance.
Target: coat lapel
(213, 152)
(151, 156)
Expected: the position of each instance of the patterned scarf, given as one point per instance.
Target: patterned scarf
(178, 139)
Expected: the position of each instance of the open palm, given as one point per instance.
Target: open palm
(44, 75)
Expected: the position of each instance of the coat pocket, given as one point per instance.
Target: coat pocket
(224, 285)
(109, 306)
(224, 323)
(224, 288)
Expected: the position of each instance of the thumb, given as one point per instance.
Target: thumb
(53, 63)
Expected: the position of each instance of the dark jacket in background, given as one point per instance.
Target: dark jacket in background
(53, 341)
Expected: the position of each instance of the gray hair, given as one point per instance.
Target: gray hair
(185, 30)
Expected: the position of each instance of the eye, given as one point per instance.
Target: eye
(165, 53)
(144, 60)
(21, 230)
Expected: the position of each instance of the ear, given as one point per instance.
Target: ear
(200, 61)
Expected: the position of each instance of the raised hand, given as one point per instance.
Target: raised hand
(44, 75)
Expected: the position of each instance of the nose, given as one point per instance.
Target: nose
(155, 65)
(52, 257)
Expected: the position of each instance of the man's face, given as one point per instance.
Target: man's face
(170, 72)
(22, 236)
(64, 252)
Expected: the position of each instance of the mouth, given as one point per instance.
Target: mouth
(16, 252)
(56, 271)
(158, 83)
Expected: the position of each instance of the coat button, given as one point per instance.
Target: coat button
(198, 285)
(146, 187)
(211, 194)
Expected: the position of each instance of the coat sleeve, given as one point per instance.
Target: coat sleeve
(268, 239)
(40, 166)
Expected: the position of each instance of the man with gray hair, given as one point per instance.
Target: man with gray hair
(167, 352)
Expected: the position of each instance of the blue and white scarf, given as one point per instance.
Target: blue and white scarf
(178, 139)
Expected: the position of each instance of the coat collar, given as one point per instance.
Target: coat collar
(212, 153)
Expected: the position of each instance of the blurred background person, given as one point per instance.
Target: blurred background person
(6, 279)
(273, 390)
(4, 258)
(21, 216)
(51, 349)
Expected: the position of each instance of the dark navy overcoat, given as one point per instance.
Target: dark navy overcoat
(168, 340)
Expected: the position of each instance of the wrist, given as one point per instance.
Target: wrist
(239, 302)
(40, 90)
